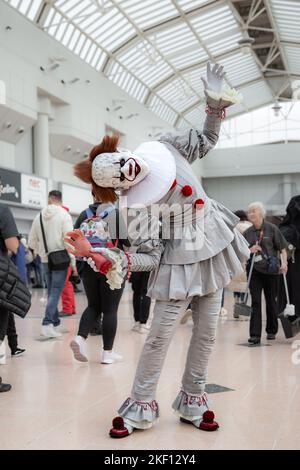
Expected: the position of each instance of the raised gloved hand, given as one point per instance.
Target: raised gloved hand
(78, 245)
(218, 97)
(214, 78)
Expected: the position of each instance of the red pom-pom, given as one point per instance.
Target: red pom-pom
(198, 203)
(187, 190)
(118, 423)
(208, 416)
(173, 185)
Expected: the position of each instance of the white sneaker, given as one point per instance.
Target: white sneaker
(143, 328)
(186, 316)
(49, 332)
(2, 353)
(78, 348)
(136, 326)
(109, 357)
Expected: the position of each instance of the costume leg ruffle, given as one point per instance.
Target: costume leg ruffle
(194, 409)
(140, 411)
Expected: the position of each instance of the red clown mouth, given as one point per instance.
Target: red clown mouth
(134, 169)
(137, 169)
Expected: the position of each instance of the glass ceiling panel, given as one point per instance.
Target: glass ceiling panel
(197, 116)
(287, 17)
(215, 22)
(240, 68)
(178, 94)
(187, 57)
(292, 54)
(162, 110)
(225, 44)
(187, 5)
(28, 8)
(150, 41)
(150, 12)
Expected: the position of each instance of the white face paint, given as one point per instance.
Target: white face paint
(118, 170)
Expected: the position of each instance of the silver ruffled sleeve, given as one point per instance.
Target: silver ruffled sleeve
(146, 245)
(147, 257)
(193, 144)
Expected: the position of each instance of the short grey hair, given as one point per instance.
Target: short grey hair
(258, 205)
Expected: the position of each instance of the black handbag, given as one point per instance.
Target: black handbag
(14, 294)
(57, 260)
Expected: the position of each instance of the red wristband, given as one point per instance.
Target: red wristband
(220, 113)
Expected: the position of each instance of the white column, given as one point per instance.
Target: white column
(42, 158)
(287, 189)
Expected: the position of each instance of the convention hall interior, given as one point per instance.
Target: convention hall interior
(204, 96)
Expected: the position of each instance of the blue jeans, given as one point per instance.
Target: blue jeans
(55, 284)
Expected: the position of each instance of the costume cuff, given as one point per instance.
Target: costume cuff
(224, 99)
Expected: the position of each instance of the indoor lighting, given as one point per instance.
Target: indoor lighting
(276, 108)
(245, 45)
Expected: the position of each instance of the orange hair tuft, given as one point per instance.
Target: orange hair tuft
(83, 170)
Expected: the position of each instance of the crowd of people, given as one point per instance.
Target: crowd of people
(266, 241)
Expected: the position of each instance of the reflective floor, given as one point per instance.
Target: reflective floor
(57, 403)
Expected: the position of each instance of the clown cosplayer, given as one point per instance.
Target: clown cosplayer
(200, 254)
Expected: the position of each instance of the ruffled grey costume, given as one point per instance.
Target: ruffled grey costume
(184, 272)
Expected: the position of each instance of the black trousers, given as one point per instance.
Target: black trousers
(268, 283)
(101, 299)
(8, 327)
(141, 302)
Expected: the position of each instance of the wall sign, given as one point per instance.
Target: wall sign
(10, 186)
(23, 189)
(76, 199)
(33, 191)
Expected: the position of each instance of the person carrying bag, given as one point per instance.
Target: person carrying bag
(57, 260)
(46, 238)
(266, 242)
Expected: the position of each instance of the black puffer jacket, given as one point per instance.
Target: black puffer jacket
(14, 294)
(290, 226)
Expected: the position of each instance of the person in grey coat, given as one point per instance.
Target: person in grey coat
(192, 250)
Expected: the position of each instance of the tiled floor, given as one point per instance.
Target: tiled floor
(57, 403)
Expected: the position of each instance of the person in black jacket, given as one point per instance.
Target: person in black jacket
(8, 242)
(290, 228)
(101, 299)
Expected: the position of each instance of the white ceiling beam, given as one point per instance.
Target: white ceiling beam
(276, 32)
(245, 27)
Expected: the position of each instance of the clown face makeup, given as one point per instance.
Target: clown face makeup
(118, 170)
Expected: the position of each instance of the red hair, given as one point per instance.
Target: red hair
(83, 170)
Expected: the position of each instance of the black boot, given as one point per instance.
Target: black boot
(4, 387)
(270, 336)
(254, 340)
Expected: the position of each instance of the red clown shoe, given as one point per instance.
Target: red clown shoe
(207, 423)
(118, 430)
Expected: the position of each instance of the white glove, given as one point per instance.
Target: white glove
(214, 78)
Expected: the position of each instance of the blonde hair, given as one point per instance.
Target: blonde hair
(258, 205)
